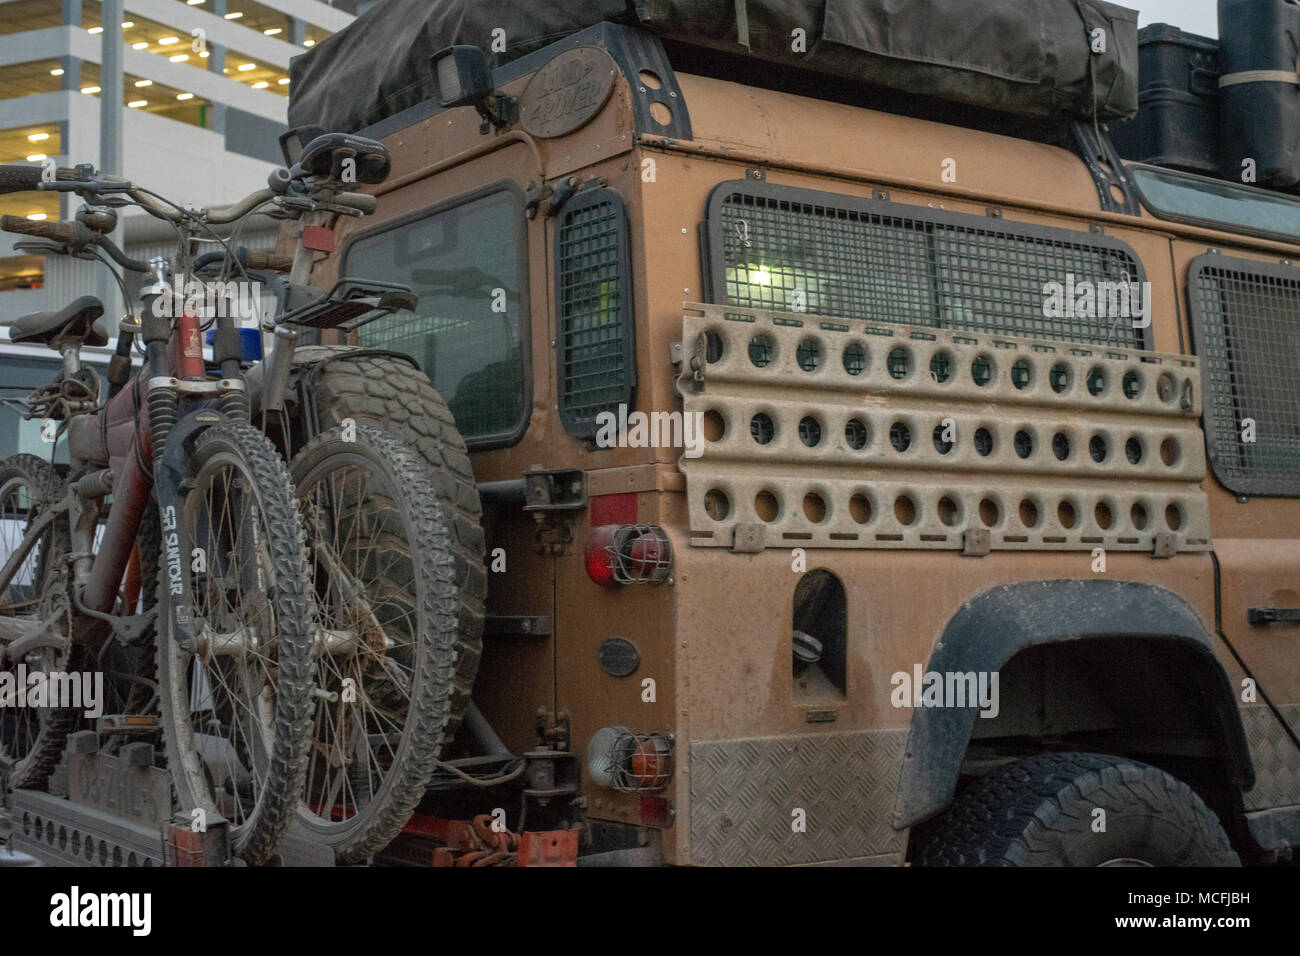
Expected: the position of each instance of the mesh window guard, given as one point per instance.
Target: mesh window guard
(595, 349)
(1246, 323)
(777, 247)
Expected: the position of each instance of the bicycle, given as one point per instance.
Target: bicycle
(395, 647)
(234, 641)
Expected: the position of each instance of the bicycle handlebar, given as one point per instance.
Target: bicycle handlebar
(70, 233)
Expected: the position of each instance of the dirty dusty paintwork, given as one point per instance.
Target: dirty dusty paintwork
(717, 642)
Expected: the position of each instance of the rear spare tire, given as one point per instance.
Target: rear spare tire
(389, 390)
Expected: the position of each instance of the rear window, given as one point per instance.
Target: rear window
(467, 264)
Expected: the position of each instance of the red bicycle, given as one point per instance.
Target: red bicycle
(234, 642)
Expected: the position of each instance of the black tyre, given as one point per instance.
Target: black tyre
(1043, 812)
(387, 653)
(361, 385)
(236, 706)
(32, 738)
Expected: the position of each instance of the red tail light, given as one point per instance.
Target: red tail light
(629, 554)
(600, 555)
(631, 762)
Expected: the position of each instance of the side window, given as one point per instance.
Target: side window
(1246, 323)
(468, 264)
(593, 290)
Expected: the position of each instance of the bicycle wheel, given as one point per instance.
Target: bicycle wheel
(235, 705)
(386, 596)
(32, 738)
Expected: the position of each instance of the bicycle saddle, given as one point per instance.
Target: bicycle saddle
(71, 325)
(325, 154)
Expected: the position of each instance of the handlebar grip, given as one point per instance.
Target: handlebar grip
(18, 178)
(269, 261)
(57, 230)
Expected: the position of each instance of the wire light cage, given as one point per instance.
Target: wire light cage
(640, 554)
(640, 762)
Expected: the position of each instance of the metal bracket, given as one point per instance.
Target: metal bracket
(1107, 168)
(551, 773)
(554, 489)
(553, 496)
(975, 542)
(699, 361)
(1166, 544)
(514, 625)
(749, 539)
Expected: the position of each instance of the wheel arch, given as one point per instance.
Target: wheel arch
(992, 628)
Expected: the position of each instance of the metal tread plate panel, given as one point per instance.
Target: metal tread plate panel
(1275, 755)
(832, 432)
(745, 794)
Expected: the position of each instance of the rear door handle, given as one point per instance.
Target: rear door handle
(1267, 615)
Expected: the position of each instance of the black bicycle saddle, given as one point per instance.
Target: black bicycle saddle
(325, 156)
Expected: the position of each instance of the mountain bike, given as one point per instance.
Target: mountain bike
(234, 638)
(394, 550)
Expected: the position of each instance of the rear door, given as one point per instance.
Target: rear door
(460, 238)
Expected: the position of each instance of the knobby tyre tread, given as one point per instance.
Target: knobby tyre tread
(430, 572)
(1040, 812)
(33, 771)
(256, 840)
(401, 399)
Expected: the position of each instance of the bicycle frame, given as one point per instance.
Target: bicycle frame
(175, 374)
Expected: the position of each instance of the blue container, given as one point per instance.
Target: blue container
(249, 339)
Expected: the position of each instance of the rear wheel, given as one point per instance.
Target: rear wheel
(236, 705)
(387, 651)
(1077, 809)
(32, 737)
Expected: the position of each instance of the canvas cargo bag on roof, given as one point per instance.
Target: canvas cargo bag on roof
(1028, 57)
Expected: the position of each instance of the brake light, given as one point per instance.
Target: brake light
(629, 554)
(622, 760)
(600, 556)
